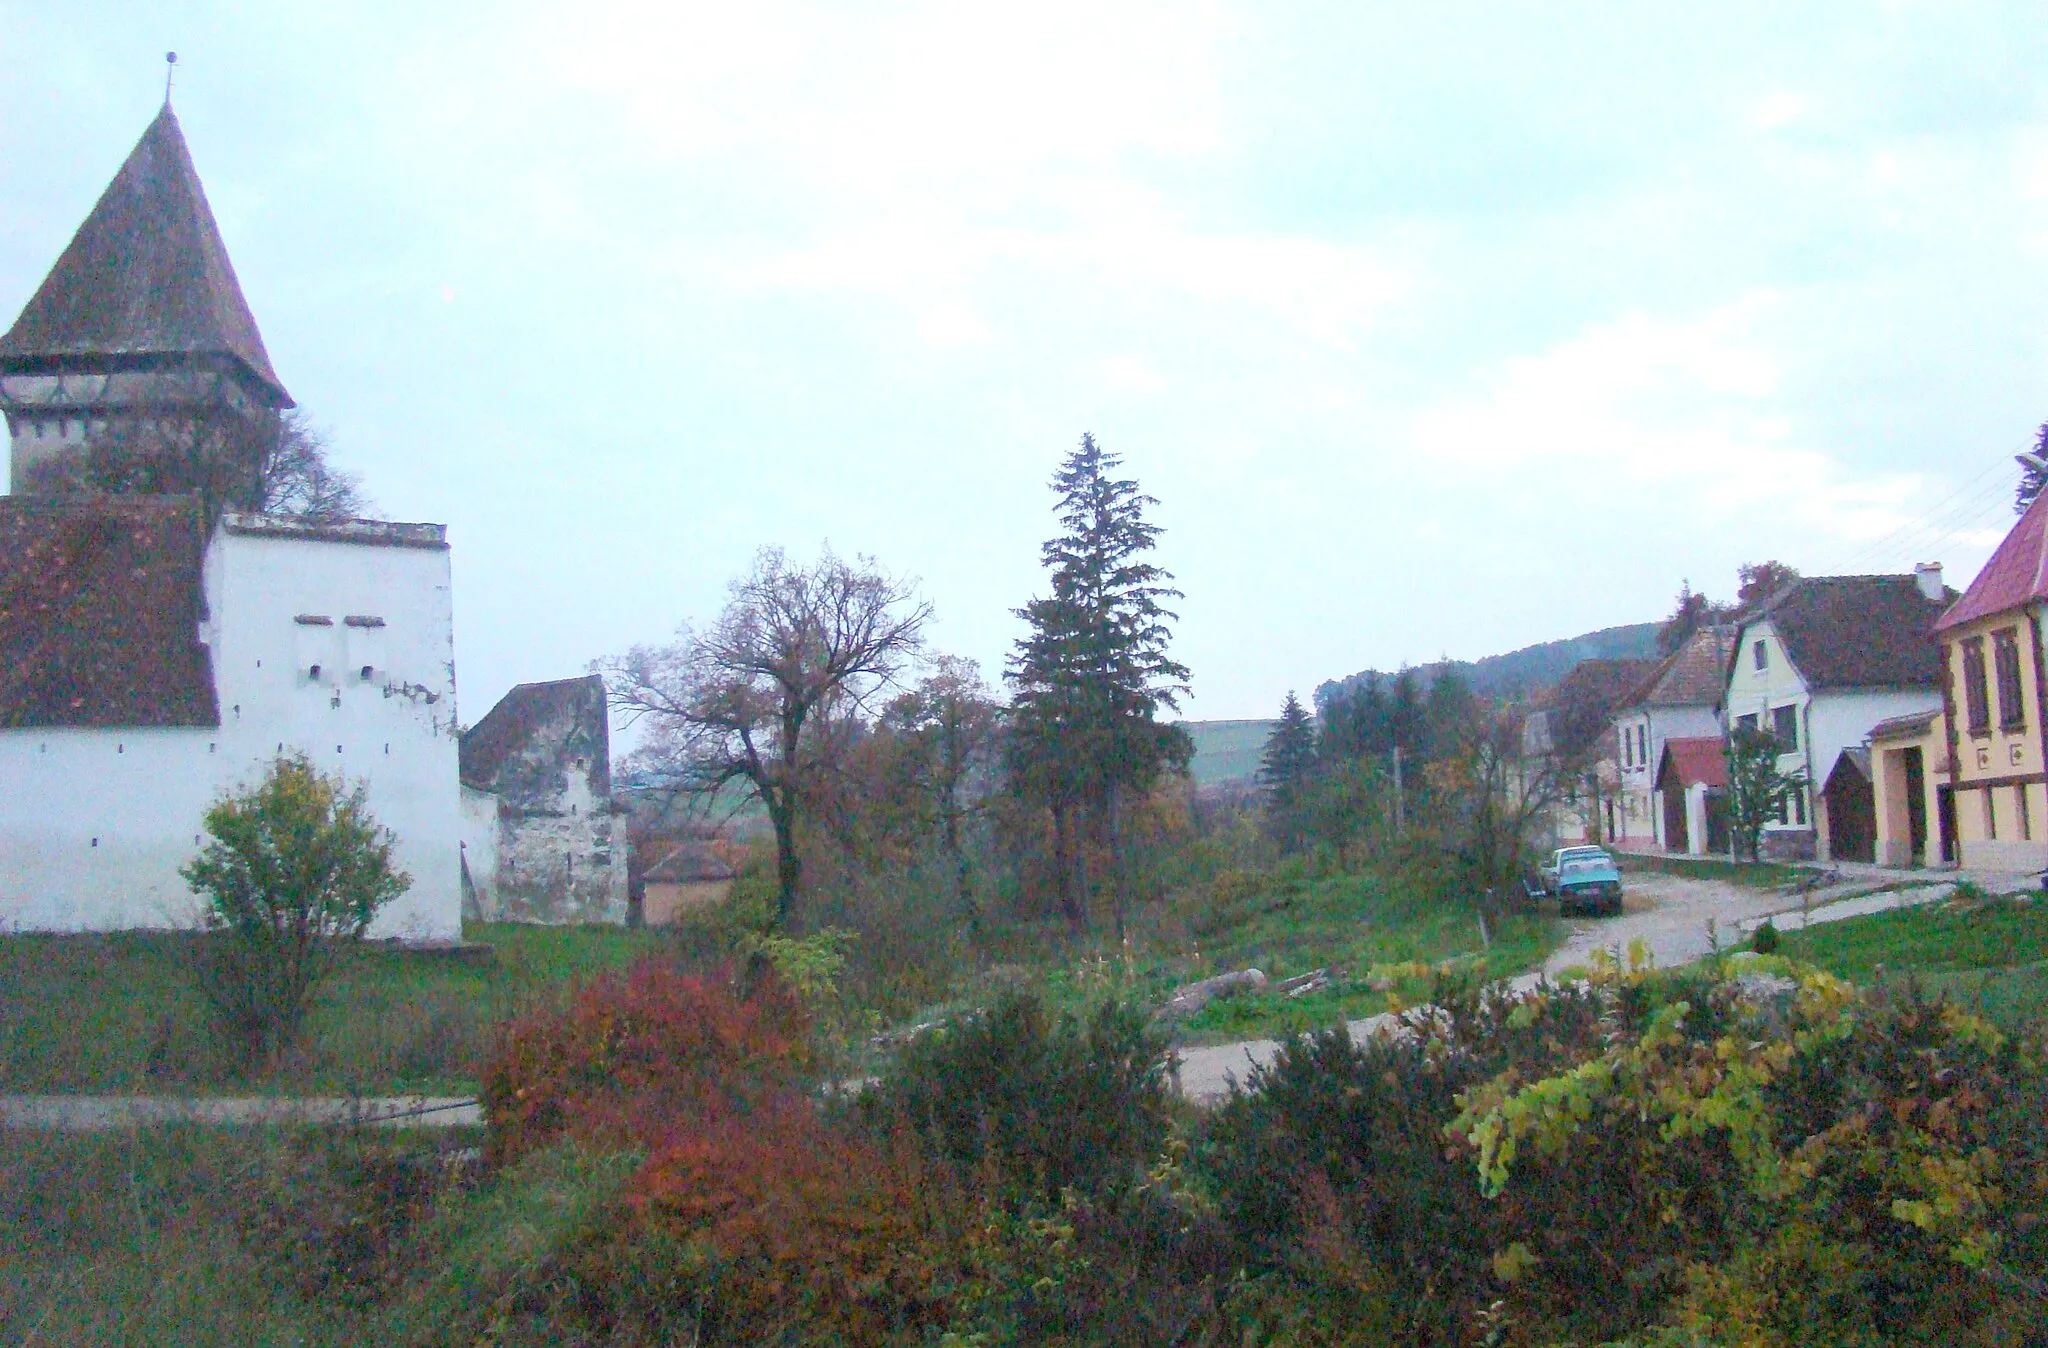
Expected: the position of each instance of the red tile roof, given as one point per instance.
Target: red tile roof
(1695, 761)
(100, 604)
(146, 277)
(1693, 675)
(2016, 575)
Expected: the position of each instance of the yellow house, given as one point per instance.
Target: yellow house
(1992, 695)
(1910, 779)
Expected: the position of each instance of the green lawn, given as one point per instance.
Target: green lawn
(1226, 750)
(1286, 922)
(119, 1012)
(1992, 956)
(1755, 874)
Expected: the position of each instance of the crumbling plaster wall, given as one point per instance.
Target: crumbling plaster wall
(541, 840)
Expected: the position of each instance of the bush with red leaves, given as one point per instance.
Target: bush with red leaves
(642, 1057)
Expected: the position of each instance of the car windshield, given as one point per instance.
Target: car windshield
(1582, 854)
(1585, 866)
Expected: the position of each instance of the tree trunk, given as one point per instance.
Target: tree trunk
(1063, 878)
(788, 866)
(1118, 879)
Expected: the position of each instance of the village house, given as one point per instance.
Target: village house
(162, 643)
(1993, 717)
(541, 839)
(1681, 700)
(1569, 733)
(1819, 665)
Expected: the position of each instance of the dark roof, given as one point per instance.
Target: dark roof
(1699, 760)
(1693, 675)
(1855, 631)
(519, 747)
(1856, 759)
(146, 277)
(1903, 727)
(100, 604)
(2016, 575)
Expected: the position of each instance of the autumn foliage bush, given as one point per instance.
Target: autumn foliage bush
(1776, 1158)
(634, 1058)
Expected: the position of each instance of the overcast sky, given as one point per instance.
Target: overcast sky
(1436, 329)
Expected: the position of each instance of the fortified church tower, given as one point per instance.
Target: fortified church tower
(137, 366)
(162, 642)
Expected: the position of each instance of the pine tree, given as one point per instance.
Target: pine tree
(1093, 672)
(1285, 768)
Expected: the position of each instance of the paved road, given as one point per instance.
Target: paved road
(105, 1113)
(1678, 918)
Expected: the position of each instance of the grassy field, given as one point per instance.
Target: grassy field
(1226, 750)
(1991, 956)
(1756, 875)
(119, 1012)
(1372, 934)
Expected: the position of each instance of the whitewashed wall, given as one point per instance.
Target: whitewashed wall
(141, 793)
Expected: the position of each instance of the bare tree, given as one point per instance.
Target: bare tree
(298, 479)
(736, 706)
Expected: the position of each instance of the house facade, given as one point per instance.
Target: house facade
(1817, 666)
(1994, 718)
(1572, 725)
(161, 645)
(1681, 701)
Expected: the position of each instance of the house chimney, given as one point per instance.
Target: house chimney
(1928, 574)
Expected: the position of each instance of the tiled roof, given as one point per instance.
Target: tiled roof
(145, 277)
(100, 604)
(1856, 758)
(520, 745)
(690, 863)
(1696, 761)
(1693, 675)
(1856, 631)
(366, 533)
(1903, 727)
(2017, 573)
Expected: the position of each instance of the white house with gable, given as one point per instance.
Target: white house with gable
(1818, 665)
(160, 644)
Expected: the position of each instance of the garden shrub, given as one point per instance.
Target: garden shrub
(295, 871)
(1037, 1103)
(631, 1058)
(1764, 941)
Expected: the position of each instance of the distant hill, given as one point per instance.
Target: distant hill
(1519, 673)
(1226, 750)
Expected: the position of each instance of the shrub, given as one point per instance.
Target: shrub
(1039, 1104)
(296, 868)
(630, 1058)
(1764, 941)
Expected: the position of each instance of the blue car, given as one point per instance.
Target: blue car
(1589, 884)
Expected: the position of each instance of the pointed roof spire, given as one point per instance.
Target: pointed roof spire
(145, 277)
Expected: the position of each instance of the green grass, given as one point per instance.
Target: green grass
(1283, 923)
(1992, 956)
(1226, 750)
(119, 1012)
(1753, 874)
(196, 1236)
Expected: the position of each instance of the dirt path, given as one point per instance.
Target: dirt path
(1678, 918)
(106, 1113)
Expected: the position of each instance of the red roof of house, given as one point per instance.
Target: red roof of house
(2016, 575)
(1696, 761)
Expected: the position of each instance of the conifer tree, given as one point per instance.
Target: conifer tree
(1285, 768)
(1093, 672)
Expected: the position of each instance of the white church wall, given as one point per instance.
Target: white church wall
(142, 792)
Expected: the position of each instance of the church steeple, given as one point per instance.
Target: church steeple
(146, 280)
(136, 366)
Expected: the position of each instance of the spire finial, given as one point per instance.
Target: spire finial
(170, 69)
